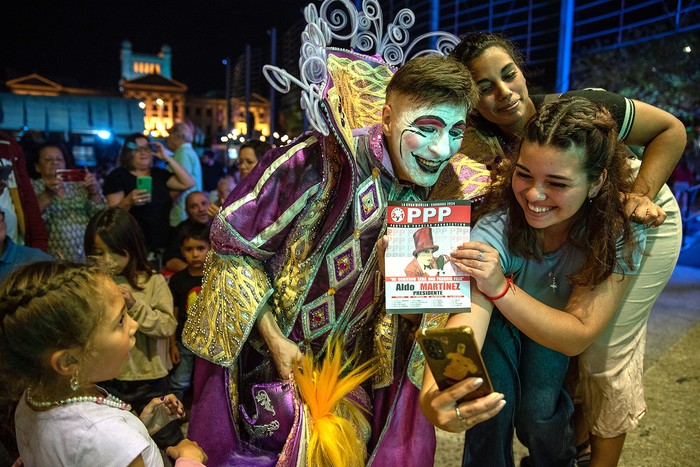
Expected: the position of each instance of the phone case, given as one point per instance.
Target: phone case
(70, 175)
(453, 355)
(144, 183)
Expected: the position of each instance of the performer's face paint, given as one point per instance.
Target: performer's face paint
(421, 139)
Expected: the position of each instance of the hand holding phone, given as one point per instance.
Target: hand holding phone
(453, 355)
(70, 175)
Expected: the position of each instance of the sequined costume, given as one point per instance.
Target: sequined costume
(301, 233)
(298, 237)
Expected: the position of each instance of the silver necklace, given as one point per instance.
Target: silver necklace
(553, 285)
(108, 400)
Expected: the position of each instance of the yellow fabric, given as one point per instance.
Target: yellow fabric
(416, 364)
(337, 425)
(356, 97)
(220, 321)
(360, 86)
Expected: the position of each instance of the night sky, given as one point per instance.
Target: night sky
(77, 42)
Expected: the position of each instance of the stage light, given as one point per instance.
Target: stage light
(104, 134)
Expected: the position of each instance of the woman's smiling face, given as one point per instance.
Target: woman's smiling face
(503, 93)
(420, 138)
(551, 186)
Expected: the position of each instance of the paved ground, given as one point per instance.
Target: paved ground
(669, 435)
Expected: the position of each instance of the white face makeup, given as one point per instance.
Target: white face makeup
(421, 139)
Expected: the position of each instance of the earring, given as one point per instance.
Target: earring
(74, 383)
(590, 200)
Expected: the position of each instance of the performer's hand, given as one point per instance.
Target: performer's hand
(482, 262)
(285, 354)
(187, 449)
(438, 407)
(161, 411)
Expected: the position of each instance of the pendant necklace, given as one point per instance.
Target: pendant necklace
(553, 285)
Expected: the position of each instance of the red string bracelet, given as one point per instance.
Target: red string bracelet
(509, 285)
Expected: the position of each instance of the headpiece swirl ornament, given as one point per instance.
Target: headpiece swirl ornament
(344, 87)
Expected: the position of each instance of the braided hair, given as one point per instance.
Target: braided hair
(45, 306)
(576, 125)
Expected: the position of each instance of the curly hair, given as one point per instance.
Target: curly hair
(45, 306)
(579, 126)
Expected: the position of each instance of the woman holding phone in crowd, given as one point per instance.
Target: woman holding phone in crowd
(151, 210)
(612, 398)
(67, 200)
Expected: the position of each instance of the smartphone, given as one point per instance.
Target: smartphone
(453, 355)
(71, 175)
(5, 171)
(144, 183)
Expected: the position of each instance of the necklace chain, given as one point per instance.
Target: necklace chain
(108, 400)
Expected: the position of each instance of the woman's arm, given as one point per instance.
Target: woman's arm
(584, 317)
(439, 407)
(118, 199)
(663, 137)
(181, 180)
(586, 314)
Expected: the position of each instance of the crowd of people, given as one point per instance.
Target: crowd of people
(264, 299)
(120, 231)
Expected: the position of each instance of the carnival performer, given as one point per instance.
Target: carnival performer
(294, 272)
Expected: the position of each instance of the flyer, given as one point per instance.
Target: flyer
(420, 275)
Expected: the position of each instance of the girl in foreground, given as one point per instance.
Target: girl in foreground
(554, 223)
(65, 327)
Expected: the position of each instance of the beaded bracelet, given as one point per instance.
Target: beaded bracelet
(509, 285)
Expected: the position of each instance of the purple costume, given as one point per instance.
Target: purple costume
(300, 233)
(297, 238)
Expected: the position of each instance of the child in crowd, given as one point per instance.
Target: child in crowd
(63, 328)
(113, 238)
(185, 286)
